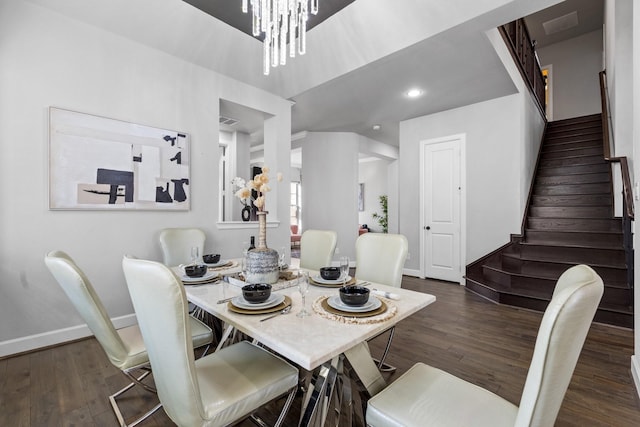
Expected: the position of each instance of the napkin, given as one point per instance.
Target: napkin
(388, 295)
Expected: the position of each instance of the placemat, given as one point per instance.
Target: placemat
(213, 279)
(331, 285)
(281, 306)
(225, 266)
(386, 311)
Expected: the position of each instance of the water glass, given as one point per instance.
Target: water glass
(303, 288)
(195, 255)
(344, 268)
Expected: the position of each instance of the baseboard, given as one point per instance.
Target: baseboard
(635, 372)
(60, 336)
(411, 272)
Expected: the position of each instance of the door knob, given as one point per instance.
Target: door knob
(427, 228)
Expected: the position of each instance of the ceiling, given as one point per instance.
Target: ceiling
(362, 56)
(375, 94)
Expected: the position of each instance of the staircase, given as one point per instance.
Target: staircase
(569, 221)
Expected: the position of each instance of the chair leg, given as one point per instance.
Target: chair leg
(287, 404)
(134, 381)
(384, 367)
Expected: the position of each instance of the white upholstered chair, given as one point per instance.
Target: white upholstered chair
(218, 389)
(425, 396)
(176, 244)
(380, 259)
(124, 347)
(317, 248)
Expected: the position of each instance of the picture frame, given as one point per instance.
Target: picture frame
(99, 163)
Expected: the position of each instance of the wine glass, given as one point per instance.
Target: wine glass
(245, 250)
(303, 288)
(281, 257)
(344, 269)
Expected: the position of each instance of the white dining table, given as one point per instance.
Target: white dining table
(314, 341)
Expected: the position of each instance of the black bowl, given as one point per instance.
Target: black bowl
(195, 270)
(256, 293)
(211, 258)
(354, 295)
(330, 273)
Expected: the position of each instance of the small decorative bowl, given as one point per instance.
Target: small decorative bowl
(211, 258)
(330, 273)
(256, 293)
(354, 295)
(195, 270)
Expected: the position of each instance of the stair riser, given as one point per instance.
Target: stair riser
(560, 224)
(624, 320)
(588, 178)
(572, 170)
(562, 154)
(574, 129)
(544, 287)
(607, 240)
(578, 138)
(572, 161)
(559, 190)
(570, 212)
(553, 270)
(592, 118)
(612, 257)
(582, 200)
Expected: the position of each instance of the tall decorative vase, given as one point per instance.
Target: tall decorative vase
(262, 262)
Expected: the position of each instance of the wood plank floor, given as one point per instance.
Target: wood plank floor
(484, 343)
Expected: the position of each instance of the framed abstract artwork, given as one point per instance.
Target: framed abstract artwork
(101, 163)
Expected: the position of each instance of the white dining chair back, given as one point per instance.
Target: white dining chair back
(84, 298)
(426, 396)
(561, 335)
(317, 248)
(380, 258)
(124, 347)
(176, 244)
(215, 390)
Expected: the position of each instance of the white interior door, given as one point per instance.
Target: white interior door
(441, 208)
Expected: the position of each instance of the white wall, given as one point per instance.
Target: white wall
(576, 63)
(330, 186)
(373, 174)
(619, 60)
(393, 199)
(50, 60)
(634, 29)
(493, 172)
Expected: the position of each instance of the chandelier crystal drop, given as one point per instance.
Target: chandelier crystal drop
(279, 21)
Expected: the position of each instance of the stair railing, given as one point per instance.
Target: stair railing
(517, 38)
(627, 193)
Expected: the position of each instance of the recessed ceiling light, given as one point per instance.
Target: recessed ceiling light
(376, 127)
(414, 93)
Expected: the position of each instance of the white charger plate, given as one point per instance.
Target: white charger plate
(334, 301)
(207, 276)
(272, 301)
(319, 279)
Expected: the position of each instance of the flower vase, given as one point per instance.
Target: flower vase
(262, 262)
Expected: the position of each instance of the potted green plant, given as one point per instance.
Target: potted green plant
(383, 219)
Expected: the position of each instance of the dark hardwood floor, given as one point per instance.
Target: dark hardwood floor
(484, 343)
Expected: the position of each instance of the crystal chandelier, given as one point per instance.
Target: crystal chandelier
(279, 20)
